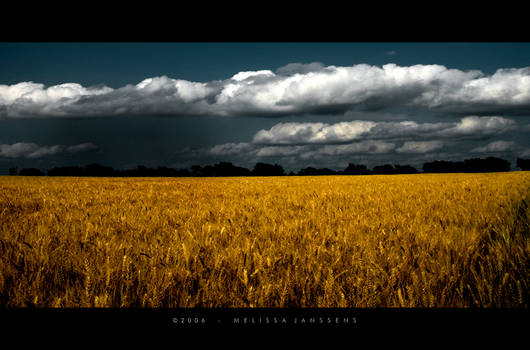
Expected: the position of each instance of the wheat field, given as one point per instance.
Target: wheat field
(424, 240)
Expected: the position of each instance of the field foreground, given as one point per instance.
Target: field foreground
(452, 240)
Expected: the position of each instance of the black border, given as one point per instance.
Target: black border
(264, 22)
(173, 321)
(323, 22)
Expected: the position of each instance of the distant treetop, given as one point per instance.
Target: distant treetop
(474, 165)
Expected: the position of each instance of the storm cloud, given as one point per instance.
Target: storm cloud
(495, 146)
(420, 146)
(31, 150)
(294, 89)
(297, 142)
(322, 133)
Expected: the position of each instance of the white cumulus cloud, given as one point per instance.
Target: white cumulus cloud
(297, 88)
(287, 133)
(480, 126)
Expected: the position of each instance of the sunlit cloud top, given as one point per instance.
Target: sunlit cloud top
(293, 89)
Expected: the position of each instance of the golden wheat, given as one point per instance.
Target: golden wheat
(453, 240)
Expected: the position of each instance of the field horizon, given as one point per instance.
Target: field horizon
(416, 240)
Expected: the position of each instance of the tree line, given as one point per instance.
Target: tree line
(474, 165)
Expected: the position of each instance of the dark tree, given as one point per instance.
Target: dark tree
(66, 171)
(310, 171)
(208, 170)
(163, 171)
(196, 170)
(354, 169)
(479, 165)
(99, 170)
(31, 172)
(523, 164)
(474, 165)
(497, 164)
(183, 173)
(405, 169)
(141, 171)
(13, 171)
(229, 169)
(264, 169)
(438, 166)
(386, 169)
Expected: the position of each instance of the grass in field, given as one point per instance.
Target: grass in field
(452, 240)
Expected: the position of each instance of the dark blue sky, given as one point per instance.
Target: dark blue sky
(182, 140)
(118, 64)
